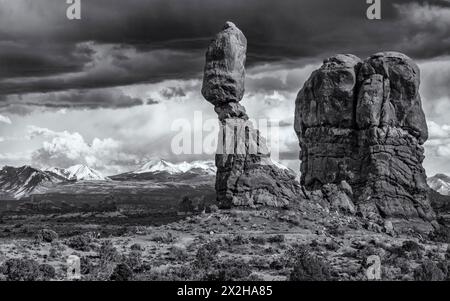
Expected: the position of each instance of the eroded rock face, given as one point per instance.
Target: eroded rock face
(246, 176)
(362, 122)
(224, 73)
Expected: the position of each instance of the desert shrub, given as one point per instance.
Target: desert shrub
(276, 238)
(259, 262)
(48, 235)
(403, 264)
(231, 270)
(411, 246)
(80, 242)
(165, 238)
(441, 235)
(308, 267)
(276, 264)
(174, 273)
(45, 235)
(408, 249)
(86, 265)
(428, 271)
(206, 255)
(134, 260)
(54, 253)
(260, 240)
(212, 209)
(177, 253)
(444, 266)
(332, 245)
(369, 250)
(137, 247)
(412, 249)
(314, 243)
(21, 270)
(186, 205)
(122, 272)
(336, 231)
(239, 240)
(47, 271)
(397, 252)
(108, 253)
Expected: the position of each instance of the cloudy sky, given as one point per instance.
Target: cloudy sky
(107, 90)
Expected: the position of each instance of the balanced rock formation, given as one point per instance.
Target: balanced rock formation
(246, 176)
(362, 122)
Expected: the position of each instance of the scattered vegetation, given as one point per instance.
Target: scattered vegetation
(309, 267)
(207, 255)
(122, 272)
(165, 238)
(108, 253)
(429, 271)
(21, 270)
(441, 235)
(80, 242)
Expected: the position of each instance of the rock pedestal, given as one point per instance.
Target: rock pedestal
(362, 122)
(246, 176)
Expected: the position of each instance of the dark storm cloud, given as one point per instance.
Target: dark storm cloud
(24, 59)
(112, 67)
(82, 99)
(165, 39)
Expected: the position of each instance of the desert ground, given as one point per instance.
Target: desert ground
(194, 240)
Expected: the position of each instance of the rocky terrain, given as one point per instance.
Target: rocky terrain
(305, 242)
(363, 193)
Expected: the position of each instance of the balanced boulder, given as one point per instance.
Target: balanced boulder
(246, 175)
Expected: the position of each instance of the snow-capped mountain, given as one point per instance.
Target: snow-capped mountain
(440, 183)
(78, 173)
(83, 173)
(20, 182)
(205, 167)
(163, 171)
(156, 166)
(62, 172)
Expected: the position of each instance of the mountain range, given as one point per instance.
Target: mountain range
(77, 173)
(19, 182)
(164, 171)
(207, 167)
(23, 181)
